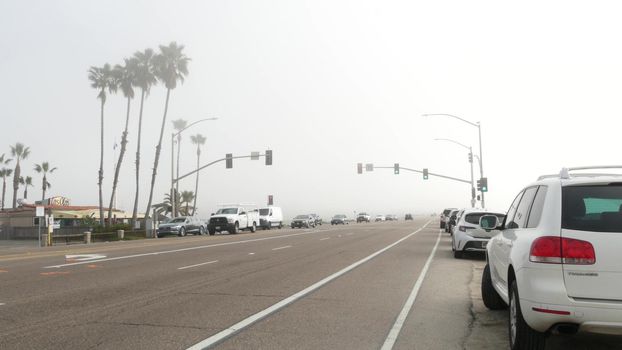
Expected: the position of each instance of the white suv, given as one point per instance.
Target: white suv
(557, 260)
(468, 235)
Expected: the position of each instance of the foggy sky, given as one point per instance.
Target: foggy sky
(325, 84)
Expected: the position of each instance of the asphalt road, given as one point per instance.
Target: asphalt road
(392, 285)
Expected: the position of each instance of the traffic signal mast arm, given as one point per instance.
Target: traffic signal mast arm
(429, 173)
(212, 163)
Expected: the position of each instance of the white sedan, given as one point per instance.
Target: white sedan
(468, 235)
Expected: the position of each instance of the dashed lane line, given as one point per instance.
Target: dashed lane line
(196, 265)
(184, 249)
(283, 247)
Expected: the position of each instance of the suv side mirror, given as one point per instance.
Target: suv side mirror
(489, 222)
(242, 212)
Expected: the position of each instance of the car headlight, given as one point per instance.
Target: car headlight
(230, 220)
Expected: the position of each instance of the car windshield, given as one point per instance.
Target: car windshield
(302, 217)
(592, 208)
(446, 211)
(177, 220)
(339, 216)
(264, 212)
(227, 211)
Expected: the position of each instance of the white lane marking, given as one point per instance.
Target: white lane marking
(325, 238)
(195, 265)
(1, 304)
(251, 253)
(84, 257)
(284, 247)
(186, 249)
(401, 318)
(339, 236)
(222, 335)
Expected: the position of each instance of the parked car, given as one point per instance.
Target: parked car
(445, 217)
(408, 217)
(451, 220)
(391, 217)
(363, 217)
(339, 219)
(468, 235)
(270, 217)
(301, 221)
(317, 219)
(380, 218)
(234, 219)
(182, 225)
(454, 225)
(556, 261)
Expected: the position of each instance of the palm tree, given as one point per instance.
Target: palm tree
(144, 79)
(4, 173)
(19, 152)
(166, 206)
(44, 168)
(198, 140)
(126, 77)
(178, 125)
(26, 182)
(171, 66)
(187, 197)
(103, 79)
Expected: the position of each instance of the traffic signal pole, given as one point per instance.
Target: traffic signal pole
(218, 161)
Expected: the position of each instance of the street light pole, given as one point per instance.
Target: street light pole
(173, 182)
(470, 161)
(479, 129)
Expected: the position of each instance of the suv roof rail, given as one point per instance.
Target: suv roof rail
(565, 172)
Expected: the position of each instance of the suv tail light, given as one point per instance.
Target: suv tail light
(560, 250)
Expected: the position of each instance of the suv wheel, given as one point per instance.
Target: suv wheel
(212, 231)
(280, 225)
(182, 232)
(201, 230)
(521, 335)
(254, 227)
(490, 297)
(458, 254)
(236, 228)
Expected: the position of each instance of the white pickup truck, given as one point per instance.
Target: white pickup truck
(233, 219)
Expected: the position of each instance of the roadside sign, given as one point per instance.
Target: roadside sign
(270, 200)
(39, 211)
(369, 167)
(254, 155)
(51, 220)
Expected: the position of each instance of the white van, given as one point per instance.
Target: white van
(270, 217)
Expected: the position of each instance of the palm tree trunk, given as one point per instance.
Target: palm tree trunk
(44, 187)
(157, 155)
(187, 209)
(3, 191)
(140, 128)
(101, 168)
(196, 185)
(121, 154)
(16, 174)
(25, 191)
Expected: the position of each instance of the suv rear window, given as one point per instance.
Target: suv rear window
(592, 208)
(446, 211)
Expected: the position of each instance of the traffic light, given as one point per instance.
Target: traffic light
(359, 168)
(479, 184)
(425, 173)
(229, 160)
(396, 168)
(484, 183)
(470, 157)
(270, 200)
(269, 157)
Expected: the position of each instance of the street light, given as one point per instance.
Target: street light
(479, 129)
(175, 188)
(470, 161)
